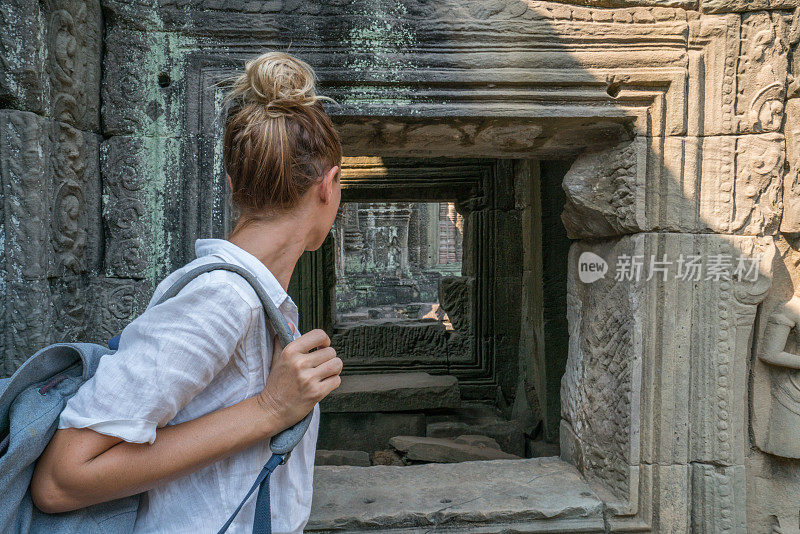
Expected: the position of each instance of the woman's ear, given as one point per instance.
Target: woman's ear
(326, 186)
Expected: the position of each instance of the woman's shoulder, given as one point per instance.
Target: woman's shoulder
(221, 282)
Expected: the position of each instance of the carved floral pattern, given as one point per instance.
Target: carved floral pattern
(761, 74)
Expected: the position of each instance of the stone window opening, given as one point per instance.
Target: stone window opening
(390, 258)
(423, 277)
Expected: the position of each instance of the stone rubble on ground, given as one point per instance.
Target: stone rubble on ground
(441, 450)
(387, 457)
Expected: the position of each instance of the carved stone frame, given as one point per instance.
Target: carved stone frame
(470, 184)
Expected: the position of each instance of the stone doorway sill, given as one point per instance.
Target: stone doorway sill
(532, 495)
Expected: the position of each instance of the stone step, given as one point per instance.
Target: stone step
(441, 450)
(541, 495)
(393, 392)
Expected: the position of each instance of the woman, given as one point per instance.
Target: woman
(185, 408)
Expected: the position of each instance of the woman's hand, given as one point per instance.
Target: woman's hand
(300, 377)
(81, 467)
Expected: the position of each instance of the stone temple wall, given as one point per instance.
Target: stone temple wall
(679, 403)
(51, 200)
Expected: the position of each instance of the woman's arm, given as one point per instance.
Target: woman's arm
(81, 467)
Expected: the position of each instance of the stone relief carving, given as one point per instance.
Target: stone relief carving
(113, 303)
(142, 89)
(761, 74)
(756, 109)
(70, 301)
(27, 188)
(141, 205)
(50, 58)
(124, 208)
(73, 43)
(791, 184)
(718, 429)
(757, 202)
(29, 320)
(76, 201)
(784, 420)
(742, 182)
(601, 380)
(456, 297)
(601, 189)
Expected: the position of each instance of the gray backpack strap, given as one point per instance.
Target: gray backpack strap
(285, 441)
(274, 316)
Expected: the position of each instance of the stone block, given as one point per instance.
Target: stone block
(718, 499)
(663, 501)
(395, 346)
(325, 457)
(741, 183)
(773, 494)
(790, 223)
(446, 429)
(51, 60)
(28, 321)
(27, 185)
(23, 79)
(71, 306)
(393, 392)
(76, 232)
(538, 448)
(737, 71)
(51, 191)
(366, 431)
(542, 494)
(478, 419)
(605, 192)
(141, 211)
(475, 440)
(113, 303)
(506, 433)
(456, 296)
(724, 184)
(652, 344)
(761, 72)
(442, 450)
(143, 83)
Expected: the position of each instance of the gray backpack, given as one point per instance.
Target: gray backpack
(34, 396)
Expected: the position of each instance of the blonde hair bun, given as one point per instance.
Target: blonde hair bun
(277, 81)
(278, 139)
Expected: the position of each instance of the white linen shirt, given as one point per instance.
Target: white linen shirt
(206, 348)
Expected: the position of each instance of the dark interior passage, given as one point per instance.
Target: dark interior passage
(421, 286)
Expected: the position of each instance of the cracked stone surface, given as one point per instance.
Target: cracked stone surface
(497, 491)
